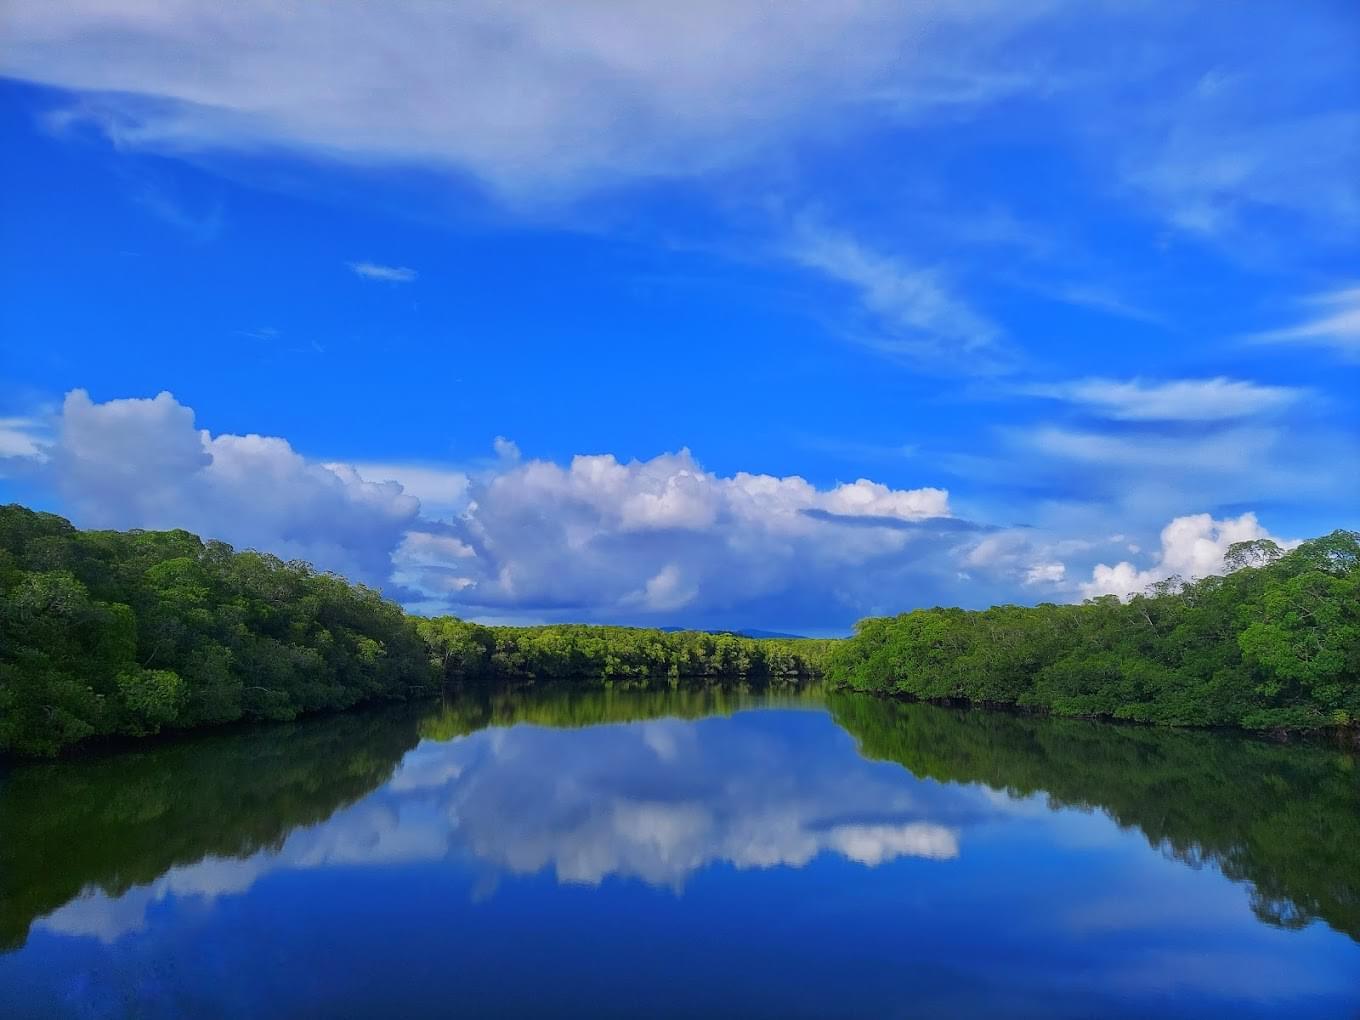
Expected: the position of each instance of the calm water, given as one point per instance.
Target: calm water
(648, 854)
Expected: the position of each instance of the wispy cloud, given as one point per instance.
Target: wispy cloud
(23, 438)
(1335, 325)
(1209, 158)
(1189, 400)
(529, 98)
(1101, 299)
(378, 271)
(913, 313)
(1232, 451)
(201, 227)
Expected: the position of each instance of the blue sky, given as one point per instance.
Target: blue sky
(720, 315)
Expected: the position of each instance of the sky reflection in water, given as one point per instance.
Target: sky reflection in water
(747, 863)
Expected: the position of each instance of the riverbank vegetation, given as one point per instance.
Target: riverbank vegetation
(1273, 645)
(106, 633)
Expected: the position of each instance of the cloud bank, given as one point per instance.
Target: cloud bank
(596, 538)
(656, 541)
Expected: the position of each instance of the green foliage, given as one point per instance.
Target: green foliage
(106, 633)
(1274, 645)
(128, 633)
(579, 653)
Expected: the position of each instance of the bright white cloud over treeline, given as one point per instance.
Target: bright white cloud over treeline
(1192, 547)
(655, 540)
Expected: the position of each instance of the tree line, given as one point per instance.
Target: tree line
(1273, 645)
(107, 633)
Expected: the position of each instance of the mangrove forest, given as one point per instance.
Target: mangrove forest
(127, 634)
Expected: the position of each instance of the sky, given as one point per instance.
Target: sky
(715, 314)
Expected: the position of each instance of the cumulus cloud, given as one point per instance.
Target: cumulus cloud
(143, 463)
(594, 539)
(662, 535)
(442, 490)
(598, 539)
(1191, 400)
(521, 95)
(1336, 325)
(1015, 557)
(1191, 547)
(377, 271)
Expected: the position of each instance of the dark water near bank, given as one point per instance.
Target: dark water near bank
(680, 853)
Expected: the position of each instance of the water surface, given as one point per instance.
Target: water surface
(676, 853)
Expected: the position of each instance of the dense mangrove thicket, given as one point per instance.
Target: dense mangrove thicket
(127, 633)
(1275, 644)
(460, 650)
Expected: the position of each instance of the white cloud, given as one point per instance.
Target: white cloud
(23, 439)
(1203, 400)
(377, 271)
(595, 539)
(526, 96)
(442, 490)
(1020, 559)
(660, 539)
(599, 536)
(1337, 326)
(1229, 451)
(1046, 573)
(1191, 547)
(142, 463)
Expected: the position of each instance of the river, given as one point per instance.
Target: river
(678, 853)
